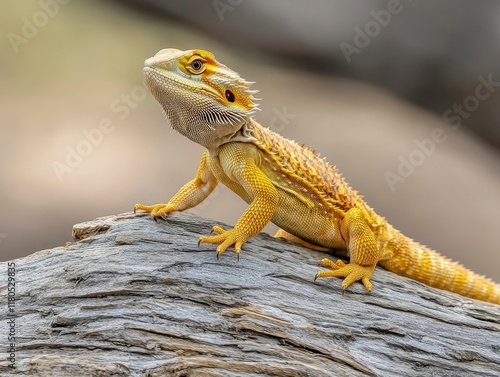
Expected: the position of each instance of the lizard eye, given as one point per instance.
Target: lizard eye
(229, 96)
(197, 64)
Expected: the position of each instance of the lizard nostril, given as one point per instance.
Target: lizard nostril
(229, 96)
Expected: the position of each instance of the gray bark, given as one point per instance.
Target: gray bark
(132, 297)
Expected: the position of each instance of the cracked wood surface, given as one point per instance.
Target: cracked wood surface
(132, 297)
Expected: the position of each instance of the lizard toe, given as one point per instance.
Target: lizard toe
(351, 272)
(225, 239)
(156, 211)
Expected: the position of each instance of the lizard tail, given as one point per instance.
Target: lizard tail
(418, 262)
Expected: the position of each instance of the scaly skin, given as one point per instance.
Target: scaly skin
(283, 182)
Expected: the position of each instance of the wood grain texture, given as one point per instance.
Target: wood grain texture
(132, 297)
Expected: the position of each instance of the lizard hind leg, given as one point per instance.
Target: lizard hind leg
(290, 237)
(363, 250)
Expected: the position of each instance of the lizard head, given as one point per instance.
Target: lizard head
(202, 99)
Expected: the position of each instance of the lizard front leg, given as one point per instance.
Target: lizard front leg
(189, 196)
(363, 249)
(260, 211)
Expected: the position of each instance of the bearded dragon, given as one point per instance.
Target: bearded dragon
(283, 182)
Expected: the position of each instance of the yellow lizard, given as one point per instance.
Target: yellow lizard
(283, 182)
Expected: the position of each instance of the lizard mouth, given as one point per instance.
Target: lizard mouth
(158, 81)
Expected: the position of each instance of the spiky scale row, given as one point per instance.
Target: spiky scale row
(411, 259)
(305, 164)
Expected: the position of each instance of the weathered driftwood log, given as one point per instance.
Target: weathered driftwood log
(132, 297)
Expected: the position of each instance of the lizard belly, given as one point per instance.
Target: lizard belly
(307, 222)
(302, 215)
(297, 218)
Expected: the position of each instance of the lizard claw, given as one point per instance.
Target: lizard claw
(217, 254)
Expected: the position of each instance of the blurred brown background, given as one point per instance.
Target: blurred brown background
(361, 82)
